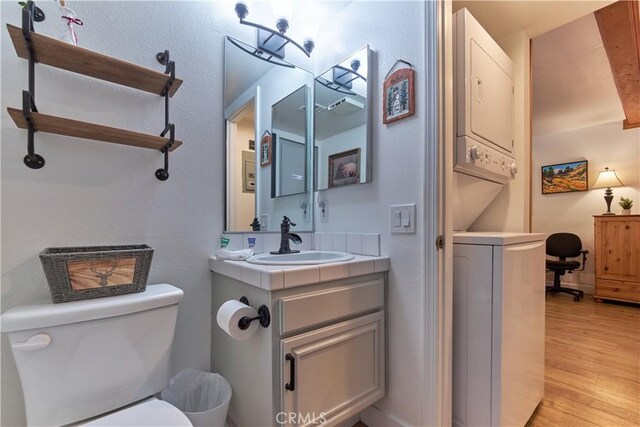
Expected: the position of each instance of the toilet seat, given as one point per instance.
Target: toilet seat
(151, 412)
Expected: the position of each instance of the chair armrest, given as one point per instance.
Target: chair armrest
(584, 259)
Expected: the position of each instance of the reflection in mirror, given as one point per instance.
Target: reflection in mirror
(342, 136)
(289, 134)
(252, 87)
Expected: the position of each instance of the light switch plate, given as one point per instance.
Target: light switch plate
(264, 222)
(402, 219)
(323, 206)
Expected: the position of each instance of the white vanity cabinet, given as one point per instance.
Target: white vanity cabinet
(321, 361)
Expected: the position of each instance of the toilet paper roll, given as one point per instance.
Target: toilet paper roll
(230, 313)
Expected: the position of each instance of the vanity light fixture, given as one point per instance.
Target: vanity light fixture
(270, 41)
(607, 179)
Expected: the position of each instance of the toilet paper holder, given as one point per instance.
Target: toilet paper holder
(263, 316)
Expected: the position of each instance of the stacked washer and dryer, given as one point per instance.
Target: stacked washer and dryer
(499, 283)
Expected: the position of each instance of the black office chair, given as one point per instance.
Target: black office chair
(563, 246)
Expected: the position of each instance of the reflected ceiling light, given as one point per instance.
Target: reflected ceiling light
(607, 179)
(342, 78)
(271, 41)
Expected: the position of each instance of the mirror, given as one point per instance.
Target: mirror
(289, 139)
(342, 134)
(267, 110)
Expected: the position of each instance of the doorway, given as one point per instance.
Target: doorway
(580, 390)
(241, 168)
(592, 357)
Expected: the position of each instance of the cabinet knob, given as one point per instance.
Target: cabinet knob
(616, 289)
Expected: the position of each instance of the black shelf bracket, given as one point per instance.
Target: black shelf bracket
(30, 13)
(163, 58)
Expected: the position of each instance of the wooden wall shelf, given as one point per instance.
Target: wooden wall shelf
(65, 56)
(37, 48)
(78, 129)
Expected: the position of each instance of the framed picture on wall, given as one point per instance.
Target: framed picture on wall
(265, 149)
(565, 177)
(344, 168)
(398, 95)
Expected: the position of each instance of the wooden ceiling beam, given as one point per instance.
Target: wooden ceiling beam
(619, 25)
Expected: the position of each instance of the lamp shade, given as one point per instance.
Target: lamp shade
(607, 179)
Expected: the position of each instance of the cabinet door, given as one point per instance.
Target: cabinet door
(330, 374)
(618, 248)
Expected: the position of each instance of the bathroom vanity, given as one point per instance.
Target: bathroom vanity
(322, 358)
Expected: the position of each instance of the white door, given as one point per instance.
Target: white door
(291, 166)
(330, 374)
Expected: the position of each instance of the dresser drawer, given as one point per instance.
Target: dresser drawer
(313, 308)
(628, 291)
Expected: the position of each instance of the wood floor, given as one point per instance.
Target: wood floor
(592, 364)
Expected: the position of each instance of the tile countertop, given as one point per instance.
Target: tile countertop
(274, 277)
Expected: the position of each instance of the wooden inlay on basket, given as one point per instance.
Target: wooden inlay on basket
(100, 273)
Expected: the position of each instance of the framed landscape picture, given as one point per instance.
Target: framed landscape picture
(565, 177)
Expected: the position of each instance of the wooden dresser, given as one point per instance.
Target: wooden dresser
(617, 255)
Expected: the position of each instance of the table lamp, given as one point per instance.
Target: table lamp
(607, 179)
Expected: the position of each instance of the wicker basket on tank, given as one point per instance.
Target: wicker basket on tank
(79, 273)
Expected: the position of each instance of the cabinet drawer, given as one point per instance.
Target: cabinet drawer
(629, 291)
(333, 373)
(301, 311)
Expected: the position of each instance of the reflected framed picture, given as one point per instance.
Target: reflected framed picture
(344, 168)
(565, 177)
(398, 100)
(265, 150)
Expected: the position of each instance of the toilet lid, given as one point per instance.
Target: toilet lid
(151, 412)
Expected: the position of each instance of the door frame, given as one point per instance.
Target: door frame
(438, 187)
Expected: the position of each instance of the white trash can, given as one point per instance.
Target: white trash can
(202, 396)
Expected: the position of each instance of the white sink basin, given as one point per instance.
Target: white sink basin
(300, 258)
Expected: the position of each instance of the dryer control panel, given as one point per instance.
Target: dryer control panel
(478, 159)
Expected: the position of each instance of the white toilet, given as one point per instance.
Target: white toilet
(97, 362)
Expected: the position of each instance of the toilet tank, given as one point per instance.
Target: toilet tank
(80, 359)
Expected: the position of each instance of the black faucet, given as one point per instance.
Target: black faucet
(285, 236)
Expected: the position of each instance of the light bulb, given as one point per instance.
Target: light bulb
(283, 9)
(242, 8)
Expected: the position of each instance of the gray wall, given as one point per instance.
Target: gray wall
(93, 193)
(603, 145)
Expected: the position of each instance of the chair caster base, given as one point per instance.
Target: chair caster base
(577, 295)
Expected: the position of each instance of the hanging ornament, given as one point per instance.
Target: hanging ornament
(398, 94)
(69, 20)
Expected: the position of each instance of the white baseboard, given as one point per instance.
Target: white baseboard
(584, 287)
(374, 417)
